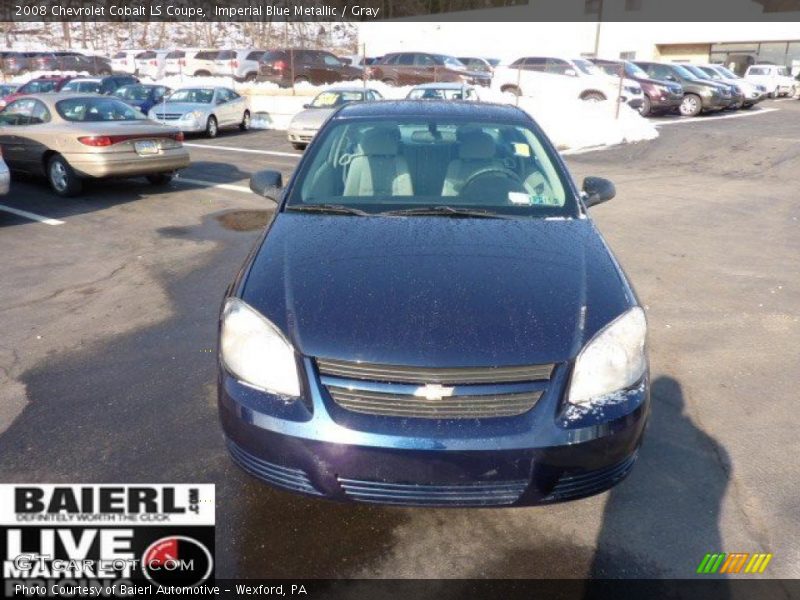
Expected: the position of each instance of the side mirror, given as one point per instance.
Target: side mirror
(267, 184)
(571, 72)
(306, 106)
(597, 190)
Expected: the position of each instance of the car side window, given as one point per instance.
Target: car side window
(331, 61)
(405, 60)
(423, 60)
(18, 112)
(39, 113)
(557, 66)
(535, 63)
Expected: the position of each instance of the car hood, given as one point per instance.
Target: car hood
(311, 118)
(436, 291)
(181, 107)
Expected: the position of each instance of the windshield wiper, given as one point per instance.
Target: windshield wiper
(331, 209)
(445, 211)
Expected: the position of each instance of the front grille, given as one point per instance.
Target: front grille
(449, 407)
(423, 375)
(168, 116)
(573, 485)
(493, 493)
(282, 477)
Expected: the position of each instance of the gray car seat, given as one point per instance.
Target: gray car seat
(378, 169)
(476, 151)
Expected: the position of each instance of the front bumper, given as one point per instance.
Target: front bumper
(301, 136)
(318, 448)
(193, 126)
(128, 164)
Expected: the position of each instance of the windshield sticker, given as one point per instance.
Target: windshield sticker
(326, 99)
(519, 198)
(522, 149)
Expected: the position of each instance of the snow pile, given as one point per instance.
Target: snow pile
(571, 124)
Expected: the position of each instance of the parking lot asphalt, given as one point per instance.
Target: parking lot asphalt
(107, 364)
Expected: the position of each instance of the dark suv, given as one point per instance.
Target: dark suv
(660, 96)
(71, 61)
(289, 66)
(698, 95)
(16, 63)
(414, 68)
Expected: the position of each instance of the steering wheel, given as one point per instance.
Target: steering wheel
(508, 173)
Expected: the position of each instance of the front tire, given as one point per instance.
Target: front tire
(299, 146)
(646, 109)
(62, 178)
(691, 105)
(593, 97)
(212, 127)
(245, 124)
(511, 89)
(160, 178)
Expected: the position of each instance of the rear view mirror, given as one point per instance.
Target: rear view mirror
(597, 190)
(267, 184)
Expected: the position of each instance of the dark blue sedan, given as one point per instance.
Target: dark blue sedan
(432, 318)
(142, 97)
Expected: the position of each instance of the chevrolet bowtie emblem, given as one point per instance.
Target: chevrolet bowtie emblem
(433, 391)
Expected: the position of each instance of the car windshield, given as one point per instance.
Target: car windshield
(330, 99)
(697, 72)
(783, 71)
(432, 164)
(197, 96)
(451, 61)
(635, 71)
(133, 92)
(91, 87)
(587, 67)
(713, 73)
(96, 109)
(683, 72)
(437, 94)
(38, 87)
(727, 72)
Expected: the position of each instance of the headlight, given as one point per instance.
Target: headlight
(191, 116)
(613, 359)
(255, 352)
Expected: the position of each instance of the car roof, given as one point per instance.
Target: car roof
(425, 108)
(85, 79)
(442, 85)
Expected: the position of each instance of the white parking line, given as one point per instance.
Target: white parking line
(213, 184)
(247, 150)
(681, 121)
(30, 215)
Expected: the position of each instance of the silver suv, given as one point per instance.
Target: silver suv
(242, 65)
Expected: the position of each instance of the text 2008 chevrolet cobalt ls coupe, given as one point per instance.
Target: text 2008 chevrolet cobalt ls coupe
(431, 318)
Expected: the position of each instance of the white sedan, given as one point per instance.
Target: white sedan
(203, 110)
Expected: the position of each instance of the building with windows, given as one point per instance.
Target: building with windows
(608, 29)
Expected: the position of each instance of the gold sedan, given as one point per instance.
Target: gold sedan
(70, 137)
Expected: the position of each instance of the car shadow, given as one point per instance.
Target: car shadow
(670, 505)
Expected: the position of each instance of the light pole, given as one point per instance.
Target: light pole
(597, 30)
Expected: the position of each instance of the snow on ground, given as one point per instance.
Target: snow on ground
(571, 124)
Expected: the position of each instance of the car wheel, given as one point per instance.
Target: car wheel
(389, 81)
(646, 109)
(691, 105)
(63, 180)
(593, 97)
(212, 127)
(202, 73)
(160, 178)
(250, 76)
(298, 146)
(245, 124)
(511, 89)
(301, 79)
